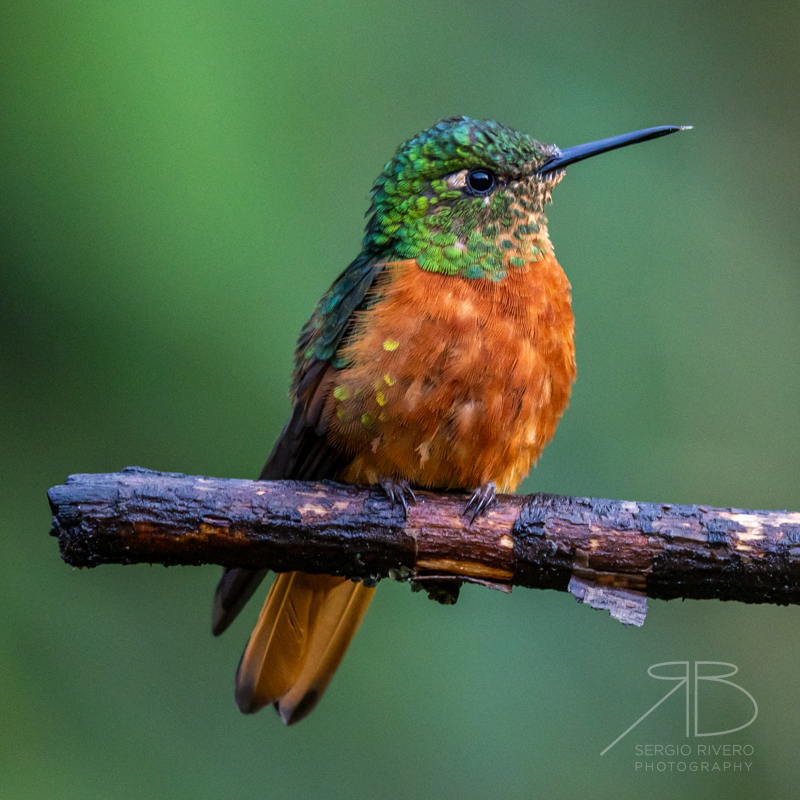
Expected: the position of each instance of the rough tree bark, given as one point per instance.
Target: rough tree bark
(610, 554)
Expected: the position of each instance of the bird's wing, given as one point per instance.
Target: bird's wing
(302, 451)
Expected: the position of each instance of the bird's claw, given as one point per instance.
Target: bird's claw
(396, 491)
(481, 499)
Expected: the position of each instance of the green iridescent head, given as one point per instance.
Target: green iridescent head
(464, 198)
(467, 196)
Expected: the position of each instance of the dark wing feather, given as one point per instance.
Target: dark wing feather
(302, 451)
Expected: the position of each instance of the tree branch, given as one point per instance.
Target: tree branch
(610, 554)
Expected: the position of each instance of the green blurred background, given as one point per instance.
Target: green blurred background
(180, 182)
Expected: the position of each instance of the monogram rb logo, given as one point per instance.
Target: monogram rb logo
(681, 675)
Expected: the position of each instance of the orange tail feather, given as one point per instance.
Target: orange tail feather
(304, 629)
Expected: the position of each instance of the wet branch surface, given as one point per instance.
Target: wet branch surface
(608, 553)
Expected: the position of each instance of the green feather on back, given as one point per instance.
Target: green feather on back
(321, 336)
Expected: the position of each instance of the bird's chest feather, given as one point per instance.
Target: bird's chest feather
(454, 382)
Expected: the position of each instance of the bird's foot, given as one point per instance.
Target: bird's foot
(396, 491)
(481, 499)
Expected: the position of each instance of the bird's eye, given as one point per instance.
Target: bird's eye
(480, 181)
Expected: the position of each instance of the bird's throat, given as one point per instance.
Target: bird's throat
(489, 237)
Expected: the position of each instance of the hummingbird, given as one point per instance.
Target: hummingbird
(442, 358)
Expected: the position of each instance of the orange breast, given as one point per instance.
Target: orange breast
(455, 382)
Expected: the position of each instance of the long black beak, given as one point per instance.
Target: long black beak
(581, 151)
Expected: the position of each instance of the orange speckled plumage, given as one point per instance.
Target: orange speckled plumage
(450, 383)
(454, 382)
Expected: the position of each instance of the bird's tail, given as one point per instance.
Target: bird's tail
(304, 629)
